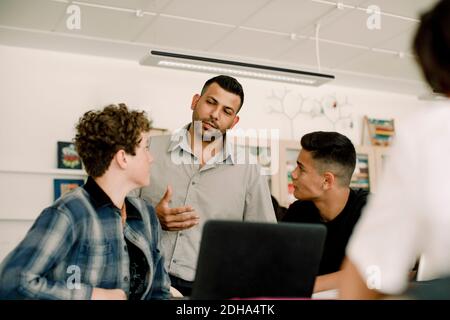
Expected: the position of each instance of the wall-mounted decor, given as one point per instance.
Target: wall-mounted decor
(364, 175)
(62, 186)
(68, 158)
(291, 105)
(380, 131)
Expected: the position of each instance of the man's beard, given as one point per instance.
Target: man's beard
(208, 134)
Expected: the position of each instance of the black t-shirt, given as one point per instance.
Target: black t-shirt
(339, 229)
(138, 271)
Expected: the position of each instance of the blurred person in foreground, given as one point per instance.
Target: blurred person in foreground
(409, 216)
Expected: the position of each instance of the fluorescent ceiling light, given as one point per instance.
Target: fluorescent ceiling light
(234, 68)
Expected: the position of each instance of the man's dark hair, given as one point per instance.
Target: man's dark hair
(432, 46)
(100, 134)
(331, 151)
(227, 83)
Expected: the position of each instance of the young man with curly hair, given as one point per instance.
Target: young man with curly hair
(96, 242)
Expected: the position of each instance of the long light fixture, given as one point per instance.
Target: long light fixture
(233, 68)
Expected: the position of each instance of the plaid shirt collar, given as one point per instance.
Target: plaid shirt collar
(100, 198)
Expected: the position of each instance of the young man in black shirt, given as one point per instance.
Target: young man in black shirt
(321, 180)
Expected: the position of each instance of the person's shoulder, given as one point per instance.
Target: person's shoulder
(431, 118)
(68, 209)
(299, 211)
(71, 203)
(359, 200)
(360, 194)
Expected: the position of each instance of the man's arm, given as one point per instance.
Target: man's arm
(352, 284)
(326, 282)
(45, 245)
(258, 201)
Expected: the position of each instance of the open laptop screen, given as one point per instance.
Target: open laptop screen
(249, 259)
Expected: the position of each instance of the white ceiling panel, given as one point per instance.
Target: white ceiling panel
(183, 34)
(386, 65)
(145, 5)
(401, 42)
(353, 29)
(288, 15)
(57, 42)
(111, 24)
(229, 12)
(35, 14)
(408, 8)
(330, 55)
(272, 31)
(251, 43)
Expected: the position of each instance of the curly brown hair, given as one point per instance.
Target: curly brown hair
(100, 134)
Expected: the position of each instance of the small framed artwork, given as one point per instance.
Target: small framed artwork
(62, 186)
(381, 131)
(68, 158)
(364, 176)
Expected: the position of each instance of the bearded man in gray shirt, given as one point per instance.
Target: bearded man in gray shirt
(196, 172)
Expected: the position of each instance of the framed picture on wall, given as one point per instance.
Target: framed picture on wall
(62, 186)
(380, 131)
(68, 158)
(364, 176)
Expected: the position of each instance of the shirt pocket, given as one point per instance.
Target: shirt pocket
(96, 263)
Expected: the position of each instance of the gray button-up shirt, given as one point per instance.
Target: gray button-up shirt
(220, 189)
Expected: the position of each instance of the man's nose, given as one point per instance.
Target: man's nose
(215, 113)
(294, 174)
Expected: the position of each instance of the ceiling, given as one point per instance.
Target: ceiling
(294, 34)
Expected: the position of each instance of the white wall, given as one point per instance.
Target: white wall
(43, 93)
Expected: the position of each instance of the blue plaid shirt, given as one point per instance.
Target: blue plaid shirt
(78, 243)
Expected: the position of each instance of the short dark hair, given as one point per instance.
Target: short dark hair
(432, 46)
(100, 134)
(331, 151)
(227, 83)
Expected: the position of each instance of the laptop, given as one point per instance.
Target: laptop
(251, 260)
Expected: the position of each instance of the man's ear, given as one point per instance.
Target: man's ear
(195, 99)
(235, 121)
(329, 179)
(121, 159)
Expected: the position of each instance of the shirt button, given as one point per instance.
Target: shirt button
(174, 261)
(193, 182)
(125, 279)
